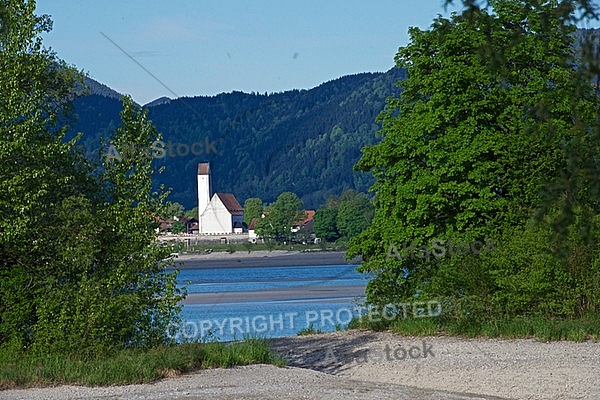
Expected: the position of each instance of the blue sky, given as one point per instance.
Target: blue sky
(206, 47)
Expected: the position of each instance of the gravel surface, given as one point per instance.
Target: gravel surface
(514, 369)
(355, 365)
(250, 382)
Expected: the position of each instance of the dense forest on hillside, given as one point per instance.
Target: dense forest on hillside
(303, 141)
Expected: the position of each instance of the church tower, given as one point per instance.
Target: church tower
(204, 189)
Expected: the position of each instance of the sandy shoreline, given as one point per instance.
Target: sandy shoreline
(275, 258)
(297, 293)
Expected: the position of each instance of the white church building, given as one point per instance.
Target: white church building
(219, 213)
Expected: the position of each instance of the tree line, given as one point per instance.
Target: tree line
(339, 219)
(80, 270)
(495, 134)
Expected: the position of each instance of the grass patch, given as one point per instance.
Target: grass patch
(544, 329)
(129, 366)
(310, 330)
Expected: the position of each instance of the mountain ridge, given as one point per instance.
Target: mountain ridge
(305, 141)
(300, 140)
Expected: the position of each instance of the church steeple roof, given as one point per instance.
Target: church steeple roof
(203, 169)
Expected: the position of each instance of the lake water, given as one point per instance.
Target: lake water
(233, 303)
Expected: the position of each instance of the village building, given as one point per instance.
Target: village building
(219, 213)
(303, 227)
(306, 223)
(252, 236)
(190, 225)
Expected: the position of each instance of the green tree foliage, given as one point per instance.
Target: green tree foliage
(344, 216)
(253, 208)
(178, 227)
(492, 108)
(355, 213)
(122, 294)
(281, 217)
(172, 209)
(79, 268)
(325, 225)
(36, 177)
(193, 213)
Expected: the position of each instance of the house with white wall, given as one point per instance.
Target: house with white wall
(252, 236)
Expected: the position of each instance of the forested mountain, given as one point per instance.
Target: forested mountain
(100, 89)
(303, 141)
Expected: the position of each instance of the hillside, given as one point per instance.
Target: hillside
(304, 141)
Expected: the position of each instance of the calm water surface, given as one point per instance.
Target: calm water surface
(230, 321)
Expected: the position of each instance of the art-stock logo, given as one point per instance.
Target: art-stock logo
(159, 150)
(376, 354)
(438, 249)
